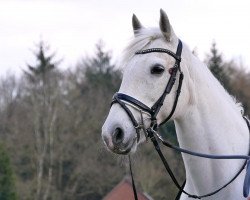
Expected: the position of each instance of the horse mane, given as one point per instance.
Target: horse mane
(210, 78)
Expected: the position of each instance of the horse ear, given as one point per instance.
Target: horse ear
(136, 24)
(165, 25)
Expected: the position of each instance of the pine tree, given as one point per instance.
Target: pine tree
(7, 186)
(217, 67)
(99, 69)
(43, 89)
(44, 66)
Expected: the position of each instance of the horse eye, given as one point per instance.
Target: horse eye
(157, 69)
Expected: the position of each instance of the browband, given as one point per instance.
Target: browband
(160, 50)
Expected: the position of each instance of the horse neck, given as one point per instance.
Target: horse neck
(212, 124)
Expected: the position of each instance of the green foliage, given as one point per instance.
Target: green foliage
(7, 186)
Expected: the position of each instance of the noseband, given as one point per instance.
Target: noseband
(125, 100)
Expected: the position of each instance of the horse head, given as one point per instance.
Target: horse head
(149, 63)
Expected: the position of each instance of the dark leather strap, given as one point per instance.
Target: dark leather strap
(132, 178)
(178, 92)
(158, 104)
(119, 97)
(133, 101)
(179, 50)
(247, 181)
(153, 111)
(209, 156)
(177, 56)
(178, 196)
(170, 172)
(247, 177)
(129, 113)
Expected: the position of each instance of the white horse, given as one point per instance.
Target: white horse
(207, 118)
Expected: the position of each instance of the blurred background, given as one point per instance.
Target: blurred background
(58, 72)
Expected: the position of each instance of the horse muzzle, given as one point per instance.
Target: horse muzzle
(120, 138)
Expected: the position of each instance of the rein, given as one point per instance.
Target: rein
(125, 100)
(152, 133)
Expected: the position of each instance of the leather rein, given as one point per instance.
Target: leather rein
(152, 132)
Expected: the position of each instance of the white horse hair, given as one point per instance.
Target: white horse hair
(207, 118)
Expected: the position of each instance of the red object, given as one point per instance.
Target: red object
(124, 191)
(170, 71)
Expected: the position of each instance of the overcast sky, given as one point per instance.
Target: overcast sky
(73, 27)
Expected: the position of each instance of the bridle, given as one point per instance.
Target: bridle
(125, 100)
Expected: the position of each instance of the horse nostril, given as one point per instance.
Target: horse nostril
(118, 136)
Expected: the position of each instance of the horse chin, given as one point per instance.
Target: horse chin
(122, 152)
(127, 149)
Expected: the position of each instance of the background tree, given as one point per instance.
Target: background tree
(43, 95)
(217, 66)
(7, 186)
(50, 123)
(88, 91)
(240, 84)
